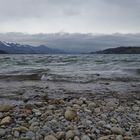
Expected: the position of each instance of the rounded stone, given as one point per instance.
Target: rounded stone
(119, 137)
(69, 135)
(76, 138)
(5, 108)
(6, 120)
(70, 114)
(2, 132)
(50, 137)
(85, 137)
(117, 130)
(60, 135)
(91, 105)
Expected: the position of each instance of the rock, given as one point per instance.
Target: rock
(117, 130)
(76, 138)
(113, 120)
(16, 134)
(21, 129)
(91, 106)
(79, 102)
(51, 107)
(138, 129)
(128, 138)
(119, 137)
(2, 132)
(37, 112)
(60, 135)
(6, 120)
(30, 134)
(101, 123)
(70, 114)
(85, 137)
(109, 137)
(50, 137)
(75, 106)
(135, 108)
(69, 135)
(112, 102)
(5, 108)
(97, 110)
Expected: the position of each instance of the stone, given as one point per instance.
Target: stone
(97, 110)
(51, 107)
(128, 138)
(109, 137)
(92, 106)
(6, 120)
(138, 129)
(76, 138)
(119, 137)
(21, 129)
(69, 135)
(117, 130)
(16, 134)
(135, 108)
(113, 120)
(60, 135)
(5, 108)
(2, 132)
(30, 134)
(50, 137)
(70, 114)
(37, 112)
(85, 137)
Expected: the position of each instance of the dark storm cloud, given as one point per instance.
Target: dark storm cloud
(100, 16)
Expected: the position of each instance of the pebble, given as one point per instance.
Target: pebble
(69, 135)
(5, 108)
(70, 114)
(117, 130)
(85, 137)
(76, 138)
(6, 120)
(2, 132)
(71, 119)
(119, 137)
(50, 137)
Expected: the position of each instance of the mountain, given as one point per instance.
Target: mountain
(14, 48)
(3, 52)
(74, 42)
(120, 50)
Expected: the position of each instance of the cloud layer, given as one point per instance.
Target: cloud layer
(83, 16)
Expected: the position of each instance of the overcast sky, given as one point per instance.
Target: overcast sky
(82, 16)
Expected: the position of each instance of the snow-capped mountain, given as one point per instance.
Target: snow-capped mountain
(14, 48)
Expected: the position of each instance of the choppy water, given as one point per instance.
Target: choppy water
(75, 71)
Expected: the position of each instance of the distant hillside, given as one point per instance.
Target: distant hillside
(119, 50)
(13, 48)
(3, 52)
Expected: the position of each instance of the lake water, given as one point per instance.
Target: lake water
(30, 76)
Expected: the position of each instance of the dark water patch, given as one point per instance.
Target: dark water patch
(20, 77)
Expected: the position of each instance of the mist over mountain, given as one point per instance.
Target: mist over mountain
(74, 42)
(14, 48)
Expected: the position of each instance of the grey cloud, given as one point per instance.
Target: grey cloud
(101, 16)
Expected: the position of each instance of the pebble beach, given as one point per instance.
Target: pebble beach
(81, 118)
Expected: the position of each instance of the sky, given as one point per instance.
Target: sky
(72, 16)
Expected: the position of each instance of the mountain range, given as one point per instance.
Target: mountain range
(14, 48)
(74, 42)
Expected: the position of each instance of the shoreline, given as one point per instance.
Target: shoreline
(76, 118)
